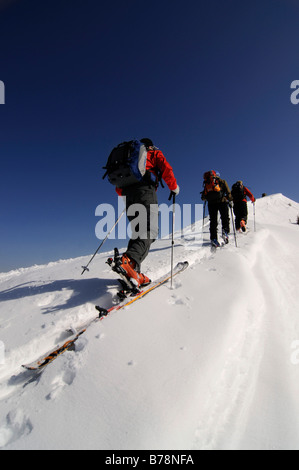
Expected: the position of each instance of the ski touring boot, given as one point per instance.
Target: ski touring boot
(214, 245)
(225, 237)
(243, 225)
(131, 280)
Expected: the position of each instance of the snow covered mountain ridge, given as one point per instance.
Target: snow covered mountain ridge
(211, 364)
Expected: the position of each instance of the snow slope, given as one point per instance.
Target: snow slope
(209, 364)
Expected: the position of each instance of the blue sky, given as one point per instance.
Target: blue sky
(207, 81)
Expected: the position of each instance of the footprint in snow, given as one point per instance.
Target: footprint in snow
(16, 425)
(178, 300)
(60, 382)
(67, 376)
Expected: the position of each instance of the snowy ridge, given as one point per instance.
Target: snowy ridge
(206, 365)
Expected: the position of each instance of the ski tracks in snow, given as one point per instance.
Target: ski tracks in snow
(233, 380)
(261, 333)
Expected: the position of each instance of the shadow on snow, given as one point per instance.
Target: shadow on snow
(82, 291)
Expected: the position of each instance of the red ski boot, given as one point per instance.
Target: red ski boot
(129, 267)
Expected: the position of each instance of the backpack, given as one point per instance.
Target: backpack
(237, 191)
(212, 189)
(126, 164)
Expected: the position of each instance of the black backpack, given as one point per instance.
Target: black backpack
(238, 191)
(126, 164)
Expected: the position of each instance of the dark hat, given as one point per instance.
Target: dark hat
(147, 142)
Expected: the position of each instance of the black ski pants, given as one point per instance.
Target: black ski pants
(222, 208)
(241, 212)
(142, 212)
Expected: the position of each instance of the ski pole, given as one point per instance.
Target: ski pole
(172, 236)
(203, 218)
(85, 268)
(231, 210)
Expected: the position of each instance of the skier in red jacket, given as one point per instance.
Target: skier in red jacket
(144, 193)
(240, 194)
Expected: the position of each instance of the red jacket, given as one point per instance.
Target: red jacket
(249, 194)
(156, 162)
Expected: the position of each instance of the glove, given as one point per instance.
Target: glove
(174, 192)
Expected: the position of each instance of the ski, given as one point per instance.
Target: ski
(49, 357)
(53, 354)
(103, 312)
